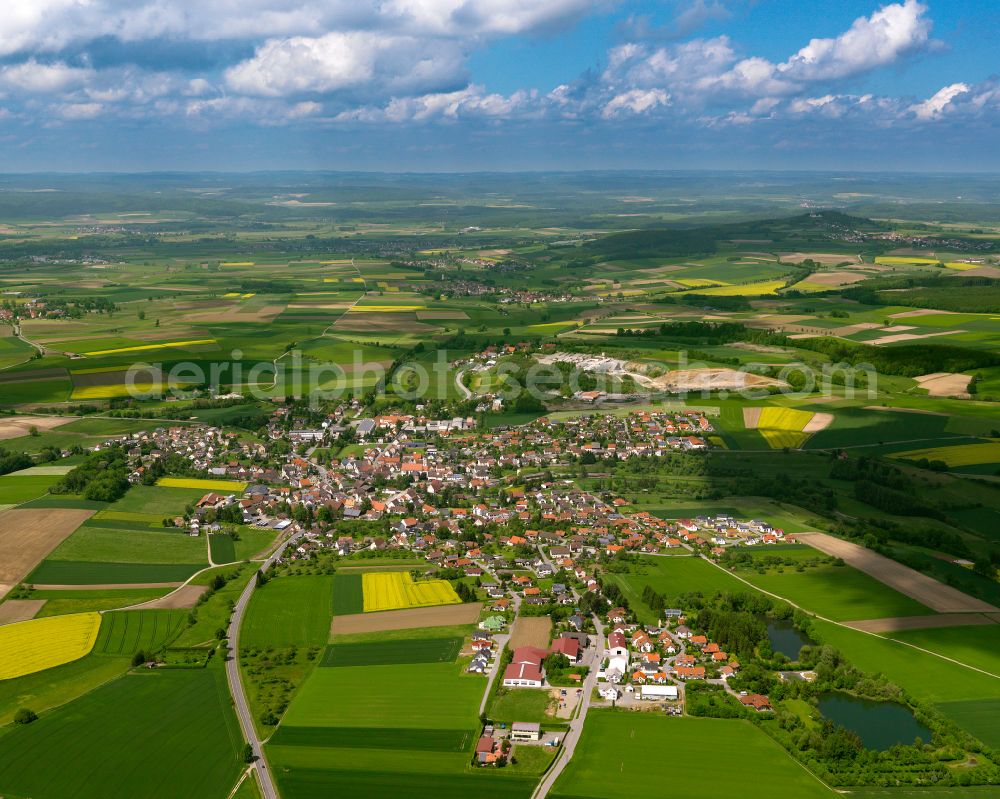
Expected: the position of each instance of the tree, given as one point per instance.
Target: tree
(25, 716)
(248, 756)
(138, 658)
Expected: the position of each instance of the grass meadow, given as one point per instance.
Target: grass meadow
(837, 592)
(159, 735)
(614, 760)
(289, 611)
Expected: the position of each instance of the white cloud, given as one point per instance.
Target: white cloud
(74, 111)
(337, 62)
(934, 107)
(635, 101)
(703, 71)
(32, 76)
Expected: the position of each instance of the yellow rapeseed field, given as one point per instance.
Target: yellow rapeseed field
(143, 347)
(744, 290)
(782, 427)
(207, 485)
(904, 259)
(701, 282)
(30, 646)
(397, 590)
(386, 308)
(112, 392)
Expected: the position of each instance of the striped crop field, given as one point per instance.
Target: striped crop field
(144, 347)
(386, 308)
(207, 485)
(39, 644)
(397, 590)
(744, 290)
(958, 455)
(904, 259)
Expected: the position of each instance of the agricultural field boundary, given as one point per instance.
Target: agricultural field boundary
(903, 623)
(847, 626)
(926, 590)
(409, 619)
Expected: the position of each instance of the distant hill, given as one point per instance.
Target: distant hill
(827, 229)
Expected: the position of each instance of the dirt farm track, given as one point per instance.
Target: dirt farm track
(409, 619)
(937, 596)
(27, 535)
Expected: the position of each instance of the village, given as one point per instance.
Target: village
(483, 505)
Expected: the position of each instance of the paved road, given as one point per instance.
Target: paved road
(572, 738)
(236, 679)
(462, 389)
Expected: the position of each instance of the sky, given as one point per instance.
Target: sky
(480, 85)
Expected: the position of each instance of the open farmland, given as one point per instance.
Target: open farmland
(931, 593)
(414, 618)
(837, 592)
(671, 577)
(612, 760)
(139, 753)
(126, 632)
(398, 591)
(27, 536)
(219, 486)
(39, 644)
(413, 735)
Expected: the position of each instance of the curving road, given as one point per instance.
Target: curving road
(236, 679)
(462, 388)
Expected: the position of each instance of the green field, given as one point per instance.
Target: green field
(348, 594)
(57, 686)
(400, 651)
(711, 757)
(671, 577)
(510, 705)
(977, 645)
(93, 543)
(289, 611)
(162, 500)
(70, 572)
(837, 592)
(222, 547)
(386, 730)
(126, 632)
(418, 696)
(81, 601)
(130, 737)
(925, 676)
(16, 488)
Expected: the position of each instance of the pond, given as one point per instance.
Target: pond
(785, 639)
(880, 725)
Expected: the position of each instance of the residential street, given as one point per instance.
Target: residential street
(572, 737)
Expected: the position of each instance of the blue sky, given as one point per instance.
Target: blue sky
(440, 85)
